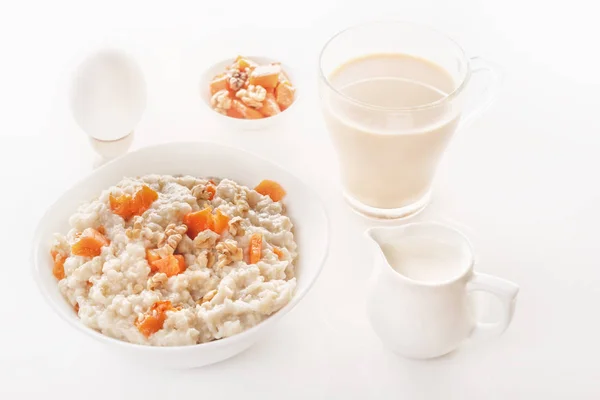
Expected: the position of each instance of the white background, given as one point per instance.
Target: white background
(522, 182)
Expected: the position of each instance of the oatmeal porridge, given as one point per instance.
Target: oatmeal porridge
(167, 261)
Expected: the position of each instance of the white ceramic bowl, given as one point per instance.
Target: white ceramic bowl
(247, 124)
(311, 230)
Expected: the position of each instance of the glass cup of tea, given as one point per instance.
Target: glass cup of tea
(392, 95)
(108, 98)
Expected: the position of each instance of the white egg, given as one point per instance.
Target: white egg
(108, 95)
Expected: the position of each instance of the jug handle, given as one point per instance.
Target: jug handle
(505, 291)
(486, 95)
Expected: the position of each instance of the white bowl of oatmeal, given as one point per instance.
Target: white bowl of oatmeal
(181, 264)
(244, 123)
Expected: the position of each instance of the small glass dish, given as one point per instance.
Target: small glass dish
(247, 124)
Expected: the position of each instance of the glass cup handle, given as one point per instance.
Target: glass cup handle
(482, 99)
(505, 291)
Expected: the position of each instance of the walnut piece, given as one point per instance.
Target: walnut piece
(237, 79)
(220, 101)
(253, 96)
(208, 296)
(157, 280)
(172, 237)
(210, 259)
(206, 239)
(228, 252)
(235, 226)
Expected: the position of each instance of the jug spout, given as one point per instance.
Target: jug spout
(379, 236)
(375, 235)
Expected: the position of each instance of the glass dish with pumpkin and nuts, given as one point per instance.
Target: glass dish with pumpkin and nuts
(177, 260)
(249, 90)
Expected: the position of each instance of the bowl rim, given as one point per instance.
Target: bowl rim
(284, 66)
(214, 344)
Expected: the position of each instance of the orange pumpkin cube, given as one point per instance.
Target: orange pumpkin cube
(243, 63)
(90, 243)
(218, 83)
(247, 112)
(126, 206)
(151, 257)
(271, 189)
(284, 94)
(270, 106)
(198, 221)
(154, 319)
(121, 205)
(211, 190)
(221, 222)
(171, 265)
(234, 113)
(143, 200)
(181, 261)
(266, 76)
(255, 248)
(58, 270)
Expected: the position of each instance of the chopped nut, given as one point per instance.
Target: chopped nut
(220, 101)
(171, 239)
(228, 252)
(202, 259)
(237, 79)
(253, 96)
(208, 296)
(210, 259)
(157, 280)
(206, 239)
(137, 288)
(235, 226)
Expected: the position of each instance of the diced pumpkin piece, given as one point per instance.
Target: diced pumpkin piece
(127, 206)
(218, 83)
(234, 113)
(121, 205)
(211, 190)
(244, 110)
(171, 265)
(151, 257)
(278, 252)
(270, 106)
(58, 270)
(154, 318)
(266, 76)
(143, 200)
(255, 248)
(239, 108)
(284, 94)
(221, 222)
(271, 189)
(198, 221)
(243, 62)
(181, 261)
(90, 243)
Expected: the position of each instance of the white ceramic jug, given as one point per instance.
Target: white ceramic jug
(425, 318)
